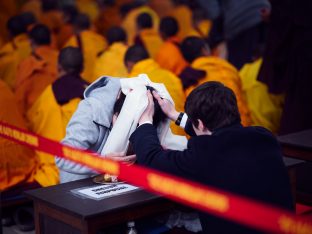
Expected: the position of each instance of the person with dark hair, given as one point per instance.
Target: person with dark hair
(89, 42)
(197, 53)
(130, 13)
(69, 13)
(29, 20)
(38, 70)
(50, 113)
(169, 55)
(138, 61)
(51, 16)
(147, 36)
(221, 153)
(14, 51)
(110, 61)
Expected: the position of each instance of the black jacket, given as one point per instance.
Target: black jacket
(242, 160)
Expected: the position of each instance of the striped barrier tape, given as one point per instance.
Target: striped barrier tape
(210, 200)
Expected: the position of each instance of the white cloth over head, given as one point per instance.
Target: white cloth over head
(134, 105)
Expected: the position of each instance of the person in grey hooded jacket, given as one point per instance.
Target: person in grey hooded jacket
(89, 127)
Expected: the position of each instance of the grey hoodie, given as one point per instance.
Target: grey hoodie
(90, 125)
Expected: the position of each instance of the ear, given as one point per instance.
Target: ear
(201, 127)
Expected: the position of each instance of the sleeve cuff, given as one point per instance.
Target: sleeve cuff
(183, 121)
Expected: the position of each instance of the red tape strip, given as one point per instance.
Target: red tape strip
(214, 201)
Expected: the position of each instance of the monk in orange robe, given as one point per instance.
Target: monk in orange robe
(169, 55)
(69, 13)
(110, 62)
(90, 43)
(147, 36)
(183, 14)
(108, 17)
(18, 163)
(51, 112)
(13, 52)
(129, 21)
(197, 53)
(138, 61)
(37, 71)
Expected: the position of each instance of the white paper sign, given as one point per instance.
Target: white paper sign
(105, 191)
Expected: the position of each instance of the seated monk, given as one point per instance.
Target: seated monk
(129, 21)
(110, 61)
(37, 71)
(169, 55)
(69, 13)
(51, 112)
(18, 163)
(90, 43)
(13, 52)
(138, 61)
(264, 109)
(183, 14)
(147, 36)
(197, 53)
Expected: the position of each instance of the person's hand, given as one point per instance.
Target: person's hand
(167, 107)
(148, 114)
(120, 157)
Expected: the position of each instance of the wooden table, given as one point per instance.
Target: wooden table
(58, 210)
(297, 145)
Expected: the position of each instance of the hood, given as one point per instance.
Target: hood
(101, 95)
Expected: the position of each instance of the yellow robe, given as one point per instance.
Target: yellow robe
(202, 30)
(11, 54)
(18, 163)
(263, 107)
(171, 81)
(47, 118)
(184, 17)
(111, 62)
(129, 22)
(170, 57)
(34, 75)
(92, 45)
(151, 41)
(220, 70)
(89, 8)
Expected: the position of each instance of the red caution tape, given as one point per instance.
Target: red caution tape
(216, 202)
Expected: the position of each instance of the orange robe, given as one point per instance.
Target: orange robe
(171, 81)
(49, 119)
(18, 163)
(129, 22)
(92, 45)
(11, 54)
(170, 57)
(151, 41)
(66, 32)
(110, 62)
(34, 75)
(108, 17)
(184, 17)
(220, 70)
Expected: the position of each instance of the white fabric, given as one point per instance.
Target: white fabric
(183, 120)
(135, 103)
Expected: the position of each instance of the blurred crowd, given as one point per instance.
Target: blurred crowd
(50, 51)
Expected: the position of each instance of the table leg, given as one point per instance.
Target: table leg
(37, 218)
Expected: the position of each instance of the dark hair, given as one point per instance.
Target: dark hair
(135, 54)
(168, 26)
(144, 20)
(49, 5)
(70, 12)
(40, 34)
(191, 48)
(116, 34)
(159, 115)
(214, 104)
(16, 26)
(71, 60)
(28, 18)
(82, 22)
